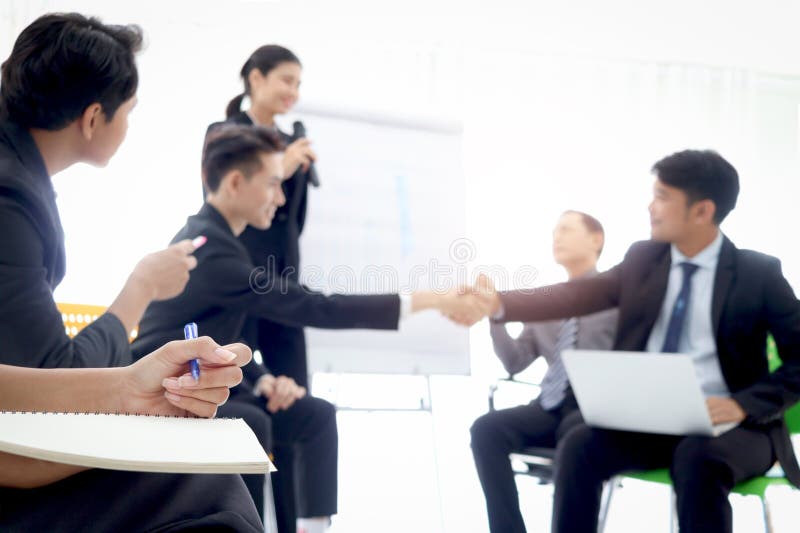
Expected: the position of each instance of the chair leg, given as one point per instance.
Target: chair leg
(605, 503)
(767, 516)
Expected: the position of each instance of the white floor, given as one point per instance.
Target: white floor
(413, 471)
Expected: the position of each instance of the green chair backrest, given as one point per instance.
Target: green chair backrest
(792, 415)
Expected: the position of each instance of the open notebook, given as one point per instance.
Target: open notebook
(135, 442)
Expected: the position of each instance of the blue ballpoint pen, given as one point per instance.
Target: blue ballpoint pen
(190, 332)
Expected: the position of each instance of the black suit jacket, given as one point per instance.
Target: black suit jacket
(278, 248)
(226, 287)
(751, 299)
(32, 264)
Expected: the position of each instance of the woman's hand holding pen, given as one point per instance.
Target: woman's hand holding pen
(160, 383)
(298, 154)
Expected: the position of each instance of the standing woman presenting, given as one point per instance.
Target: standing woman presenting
(271, 77)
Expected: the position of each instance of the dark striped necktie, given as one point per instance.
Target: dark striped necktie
(679, 310)
(554, 384)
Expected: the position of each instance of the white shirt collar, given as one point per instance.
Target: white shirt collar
(707, 258)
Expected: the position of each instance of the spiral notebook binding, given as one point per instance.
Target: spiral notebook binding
(118, 413)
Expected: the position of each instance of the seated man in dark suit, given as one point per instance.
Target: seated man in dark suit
(577, 244)
(688, 290)
(242, 171)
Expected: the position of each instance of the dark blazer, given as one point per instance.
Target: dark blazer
(278, 248)
(226, 287)
(751, 299)
(32, 264)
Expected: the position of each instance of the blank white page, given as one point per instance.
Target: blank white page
(135, 442)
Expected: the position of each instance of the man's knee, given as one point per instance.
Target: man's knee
(484, 431)
(317, 413)
(327, 409)
(574, 448)
(697, 460)
(324, 411)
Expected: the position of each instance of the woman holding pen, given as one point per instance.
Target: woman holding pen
(45, 496)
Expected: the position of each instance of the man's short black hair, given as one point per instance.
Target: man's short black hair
(702, 175)
(63, 63)
(236, 147)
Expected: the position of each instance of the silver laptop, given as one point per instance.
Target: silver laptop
(639, 391)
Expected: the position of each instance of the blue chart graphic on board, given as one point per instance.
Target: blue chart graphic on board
(404, 210)
(390, 205)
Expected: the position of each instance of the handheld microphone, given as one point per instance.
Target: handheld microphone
(300, 133)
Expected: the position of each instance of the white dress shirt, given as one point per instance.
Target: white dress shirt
(698, 338)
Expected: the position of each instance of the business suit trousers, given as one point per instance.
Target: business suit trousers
(309, 429)
(703, 471)
(498, 433)
(259, 421)
(283, 350)
(112, 501)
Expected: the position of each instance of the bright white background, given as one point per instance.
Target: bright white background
(564, 105)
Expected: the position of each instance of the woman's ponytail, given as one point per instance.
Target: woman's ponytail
(234, 106)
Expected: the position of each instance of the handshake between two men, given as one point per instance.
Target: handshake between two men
(469, 305)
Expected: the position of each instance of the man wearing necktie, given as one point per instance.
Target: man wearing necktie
(689, 290)
(577, 244)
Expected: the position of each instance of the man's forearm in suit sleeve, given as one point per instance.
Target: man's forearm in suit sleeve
(563, 300)
(230, 282)
(768, 398)
(515, 354)
(299, 306)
